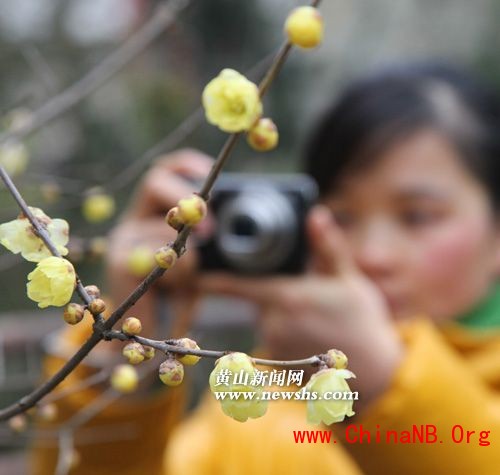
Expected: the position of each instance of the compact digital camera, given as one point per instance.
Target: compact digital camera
(259, 224)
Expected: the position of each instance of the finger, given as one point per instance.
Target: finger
(260, 290)
(188, 162)
(167, 182)
(330, 250)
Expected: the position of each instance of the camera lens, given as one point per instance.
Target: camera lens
(257, 229)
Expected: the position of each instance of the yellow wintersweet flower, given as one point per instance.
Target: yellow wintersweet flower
(98, 207)
(333, 401)
(231, 101)
(234, 373)
(18, 236)
(52, 282)
(14, 157)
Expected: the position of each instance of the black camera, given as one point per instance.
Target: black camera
(259, 224)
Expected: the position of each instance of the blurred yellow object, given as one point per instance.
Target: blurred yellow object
(448, 378)
(140, 261)
(98, 207)
(14, 157)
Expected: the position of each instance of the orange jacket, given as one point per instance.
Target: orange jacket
(449, 378)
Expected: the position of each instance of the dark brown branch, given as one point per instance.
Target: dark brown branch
(179, 245)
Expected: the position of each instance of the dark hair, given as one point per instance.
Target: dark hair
(374, 112)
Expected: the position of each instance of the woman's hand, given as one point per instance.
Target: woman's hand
(143, 224)
(331, 306)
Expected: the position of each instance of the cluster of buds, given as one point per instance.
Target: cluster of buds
(189, 211)
(74, 312)
(46, 413)
(171, 371)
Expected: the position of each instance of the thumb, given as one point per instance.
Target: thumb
(330, 250)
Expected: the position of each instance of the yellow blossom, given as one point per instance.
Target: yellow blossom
(234, 372)
(14, 157)
(326, 409)
(231, 101)
(18, 236)
(52, 282)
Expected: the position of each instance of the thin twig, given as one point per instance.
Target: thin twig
(43, 235)
(169, 346)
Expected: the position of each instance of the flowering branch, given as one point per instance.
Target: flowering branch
(172, 346)
(102, 328)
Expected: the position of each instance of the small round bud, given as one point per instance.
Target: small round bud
(98, 207)
(73, 313)
(173, 218)
(132, 326)
(97, 247)
(263, 136)
(304, 27)
(51, 192)
(134, 352)
(93, 291)
(192, 210)
(149, 352)
(188, 360)
(124, 378)
(336, 359)
(97, 306)
(165, 257)
(171, 372)
(140, 261)
(47, 412)
(18, 423)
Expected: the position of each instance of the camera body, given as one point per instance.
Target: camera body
(259, 224)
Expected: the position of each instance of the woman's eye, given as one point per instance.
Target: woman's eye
(415, 218)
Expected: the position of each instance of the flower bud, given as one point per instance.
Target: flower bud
(134, 352)
(165, 257)
(192, 210)
(173, 218)
(171, 372)
(140, 261)
(149, 352)
(47, 412)
(97, 246)
(188, 360)
(132, 326)
(263, 136)
(97, 306)
(336, 359)
(73, 313)
(18, 423)
(98, 207)
(93, 291)
(124, 378)
(304, 27)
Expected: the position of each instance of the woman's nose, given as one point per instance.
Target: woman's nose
(377, 249)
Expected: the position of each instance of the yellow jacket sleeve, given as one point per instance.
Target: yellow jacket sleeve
(442, 386)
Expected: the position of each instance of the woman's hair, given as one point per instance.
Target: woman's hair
(379, 110)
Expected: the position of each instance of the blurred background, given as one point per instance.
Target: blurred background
(149, 107)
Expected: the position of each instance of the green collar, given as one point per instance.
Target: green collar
(486, 314)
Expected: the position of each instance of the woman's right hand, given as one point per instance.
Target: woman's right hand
(143, 222)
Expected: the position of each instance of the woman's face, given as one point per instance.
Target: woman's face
(420, 227)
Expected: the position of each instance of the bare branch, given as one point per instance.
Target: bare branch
(162, 17)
